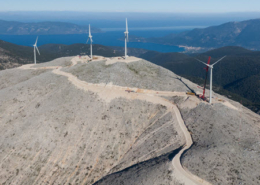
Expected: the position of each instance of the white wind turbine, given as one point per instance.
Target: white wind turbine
(126, 39)
(35, 48)
(90, 38)
(211, 70)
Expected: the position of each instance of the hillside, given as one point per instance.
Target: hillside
(159, 58)
(116, 121)
(236, 76)
(245, 34)
(79, 49)
(130, 51)
(12, 55)
(42, 28)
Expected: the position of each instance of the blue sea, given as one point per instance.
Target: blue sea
(109, 37)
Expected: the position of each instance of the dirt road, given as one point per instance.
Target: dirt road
(108, 92)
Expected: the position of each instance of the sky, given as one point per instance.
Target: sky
(176, 6)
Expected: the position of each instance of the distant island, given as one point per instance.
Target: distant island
(43, 28)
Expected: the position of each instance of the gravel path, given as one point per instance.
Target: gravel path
(151, 96)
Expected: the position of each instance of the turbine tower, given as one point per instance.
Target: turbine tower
(211, 76)
(126, 39)
(35, 48)
(90, 38)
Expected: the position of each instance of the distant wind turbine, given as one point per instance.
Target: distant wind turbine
(90, 38)
(126, 39)
(211, 70)
(35, 48)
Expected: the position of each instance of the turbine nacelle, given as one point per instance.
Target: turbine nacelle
(126, 35)
(211, 66)
(35, 46)
(89, 35)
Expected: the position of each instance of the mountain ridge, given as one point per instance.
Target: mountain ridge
(12, 55)
(43, 28)
(244, 34)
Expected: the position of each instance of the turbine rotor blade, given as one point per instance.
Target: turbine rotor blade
(87, 40)
(37, 50)
(219, 60)
(126, 25)
(36, 41)
(201, 61)
(126, 32)
(89, 31)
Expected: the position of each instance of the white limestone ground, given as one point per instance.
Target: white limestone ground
(46, 104)
(105, 93)
(80, 121)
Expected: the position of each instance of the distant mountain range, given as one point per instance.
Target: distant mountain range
(245, 34)
(237, 76)
(42, 28)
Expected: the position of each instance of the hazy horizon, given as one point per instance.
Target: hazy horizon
(116, 19)
(200, 6)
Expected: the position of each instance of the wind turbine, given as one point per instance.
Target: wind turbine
(90, 38)
(35, 48)
(211, 70)
(126, 39)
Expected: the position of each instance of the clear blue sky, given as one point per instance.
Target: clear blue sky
(202, 6)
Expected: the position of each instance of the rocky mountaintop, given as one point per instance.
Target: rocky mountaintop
(117, 121)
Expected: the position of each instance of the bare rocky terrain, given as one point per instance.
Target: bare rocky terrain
(141, 74)
(116, 121)
(226, 146)
(155, 171)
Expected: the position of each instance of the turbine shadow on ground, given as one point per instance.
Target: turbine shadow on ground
(139, 167)
(180, 79)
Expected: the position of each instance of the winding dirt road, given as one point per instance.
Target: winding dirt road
(108, 92)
